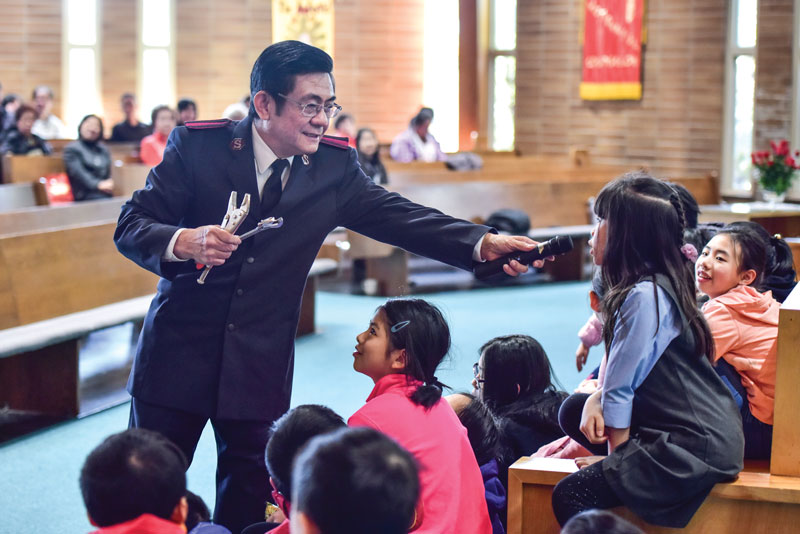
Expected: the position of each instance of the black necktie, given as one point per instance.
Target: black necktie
(271, 194)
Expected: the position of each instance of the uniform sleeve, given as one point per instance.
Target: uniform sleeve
(724, 329)
(371, 210)
(641, 334)
(151, 217)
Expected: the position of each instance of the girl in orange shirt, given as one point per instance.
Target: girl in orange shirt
(744, 324)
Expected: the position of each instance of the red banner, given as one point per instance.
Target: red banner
(612, 50)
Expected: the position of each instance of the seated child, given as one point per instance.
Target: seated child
(744, 324)
(484, 440)
(198, 517)
(400, 351)
(667, 418)
(354, 481)
(513, 378)
(135, 481)
(289, 434)
(599, 522)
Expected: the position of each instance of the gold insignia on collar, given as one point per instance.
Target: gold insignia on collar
(305, 160)
(237, 143)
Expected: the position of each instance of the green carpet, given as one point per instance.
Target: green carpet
(39, 473)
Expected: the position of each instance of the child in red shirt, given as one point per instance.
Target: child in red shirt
(404, 344)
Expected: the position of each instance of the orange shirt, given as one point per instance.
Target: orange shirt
(151, 150)
(744, 324)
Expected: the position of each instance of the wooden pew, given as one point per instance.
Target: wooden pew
(547, 203)
(763, 499)
(128, 178)
(14, 197)
(20, 169)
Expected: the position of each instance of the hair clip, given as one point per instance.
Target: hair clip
(778, 236)
(399, 326)
(689, 251)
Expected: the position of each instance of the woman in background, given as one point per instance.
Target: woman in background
(88, 162)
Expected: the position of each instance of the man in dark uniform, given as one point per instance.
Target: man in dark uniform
(224, 351)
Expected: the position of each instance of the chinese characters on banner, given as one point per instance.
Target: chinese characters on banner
(612, 50)
(309, 21)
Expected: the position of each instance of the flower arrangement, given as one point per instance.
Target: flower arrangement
(776, 169)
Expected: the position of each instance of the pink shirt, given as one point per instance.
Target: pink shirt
(151, 150)
(453, 498)
(744, 324)
(144, 524)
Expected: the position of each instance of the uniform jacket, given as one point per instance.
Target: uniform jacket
(226, 348)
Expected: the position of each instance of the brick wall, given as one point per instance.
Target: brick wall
(773, 98)
(30, 47)
(675, 130)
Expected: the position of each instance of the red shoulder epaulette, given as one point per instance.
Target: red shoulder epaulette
(338, 142)
(206, 125)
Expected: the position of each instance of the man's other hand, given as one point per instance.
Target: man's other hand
(209, 245)
(496, 246)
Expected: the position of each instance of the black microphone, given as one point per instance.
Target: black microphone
(552, 247)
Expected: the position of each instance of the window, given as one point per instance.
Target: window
(440, 85)
(739, 98)
(502, 73)
(81, 86)
(156, 56)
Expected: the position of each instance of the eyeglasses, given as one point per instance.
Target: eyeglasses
(312, 110)
(476, 371)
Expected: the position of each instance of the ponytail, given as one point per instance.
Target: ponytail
(420, 329)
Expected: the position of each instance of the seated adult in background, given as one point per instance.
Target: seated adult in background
(88, 162)
(8, 110)
(345, 126)
(134, 482)
(289, 434)
(368, 156)
(152, 147)
(130, 130)
(513, 378)
(238, 110)
(354, 481)
(187, 111)
(20, 140)
(47, 125)
(417, 143)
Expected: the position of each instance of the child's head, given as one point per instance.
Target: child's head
(512, 368)
(405, 336)
(354, 481)
(481, 429)
(131, 473)
(780, 263)
(736, 256)
(598, 291)
(643, 219)
(599, 522)
(294, 429)
(198, 511)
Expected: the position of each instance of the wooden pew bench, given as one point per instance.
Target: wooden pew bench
(763, 498)
(15, 197)
(39, 361)
(57, 285)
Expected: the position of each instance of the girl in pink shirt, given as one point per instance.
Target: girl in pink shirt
(744, 324)
(400, 351)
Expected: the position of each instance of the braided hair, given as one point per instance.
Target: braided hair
(420, 329)
(646, 219)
